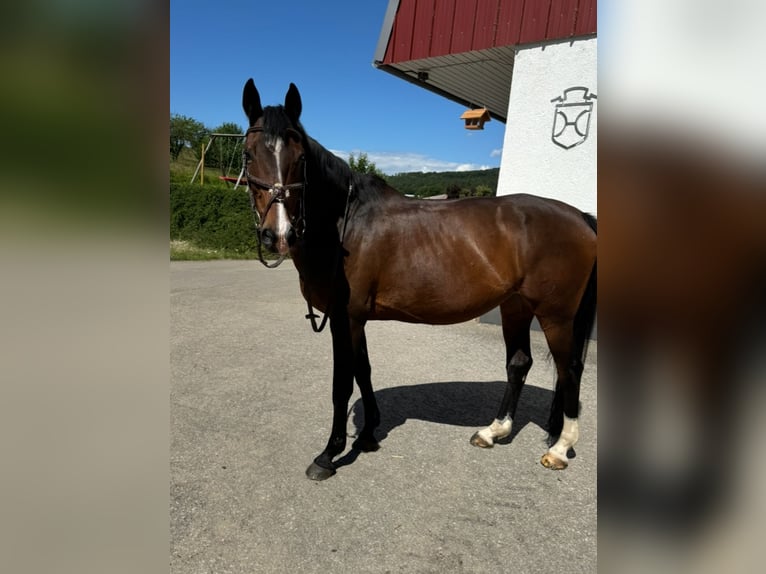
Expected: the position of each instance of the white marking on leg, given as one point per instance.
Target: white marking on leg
(498, 429)
(570, 433)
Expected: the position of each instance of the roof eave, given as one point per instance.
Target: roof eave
(393, 70)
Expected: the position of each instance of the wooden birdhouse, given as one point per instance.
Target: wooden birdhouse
(474, 119)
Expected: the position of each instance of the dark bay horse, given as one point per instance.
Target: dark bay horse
(365, 252)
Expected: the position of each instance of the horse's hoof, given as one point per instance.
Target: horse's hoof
(478, 440)
(553, 463)
(365, 444)
(316, 472)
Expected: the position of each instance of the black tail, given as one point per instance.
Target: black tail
(584, 320)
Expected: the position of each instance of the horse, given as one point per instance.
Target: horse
(364, 252)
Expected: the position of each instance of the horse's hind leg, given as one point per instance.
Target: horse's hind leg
(563, 423)
(362, 372)
(516, 319)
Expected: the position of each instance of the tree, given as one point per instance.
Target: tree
(362, 164)
(185, 132)
(483, 191)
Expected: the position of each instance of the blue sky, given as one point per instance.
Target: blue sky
(326, 49)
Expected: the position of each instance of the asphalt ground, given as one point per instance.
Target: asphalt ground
(251, 407)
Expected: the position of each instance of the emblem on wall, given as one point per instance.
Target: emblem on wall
(571, 117)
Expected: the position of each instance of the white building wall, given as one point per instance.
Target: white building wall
(531, 161)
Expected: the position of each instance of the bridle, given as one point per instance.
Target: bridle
(278, 193)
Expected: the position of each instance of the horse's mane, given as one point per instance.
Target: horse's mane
(276, 122)
(334, 171)
(367, 187)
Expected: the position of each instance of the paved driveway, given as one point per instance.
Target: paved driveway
(251, 407)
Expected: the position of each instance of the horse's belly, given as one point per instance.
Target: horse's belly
(439, 317)
(444, 307)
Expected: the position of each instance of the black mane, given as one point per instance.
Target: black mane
(276, 122)
(332, 169)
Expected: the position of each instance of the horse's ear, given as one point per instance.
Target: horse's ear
(251, 102)
(293, 104)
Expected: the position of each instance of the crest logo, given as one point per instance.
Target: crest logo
(571, 117)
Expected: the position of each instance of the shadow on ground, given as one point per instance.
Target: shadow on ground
(458, 403)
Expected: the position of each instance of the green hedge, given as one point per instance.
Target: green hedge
(214, 217)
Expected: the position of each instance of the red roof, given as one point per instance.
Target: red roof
(463, 49)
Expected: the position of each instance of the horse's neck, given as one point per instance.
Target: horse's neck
(315, 254)
(315, 260)
(328, 184)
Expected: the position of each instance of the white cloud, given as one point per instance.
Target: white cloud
(392, 162)
(469, 167)
(496, 152)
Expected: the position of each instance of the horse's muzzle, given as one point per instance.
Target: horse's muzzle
(278, 243)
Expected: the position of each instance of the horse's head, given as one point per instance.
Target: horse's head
(274, 165)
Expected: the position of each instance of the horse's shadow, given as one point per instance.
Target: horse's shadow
(460, 403)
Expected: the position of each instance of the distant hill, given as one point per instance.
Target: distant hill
(478, 182)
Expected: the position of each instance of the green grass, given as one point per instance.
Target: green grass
(187, 251)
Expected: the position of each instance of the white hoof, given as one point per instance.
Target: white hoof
(556, 457)
(486, 436)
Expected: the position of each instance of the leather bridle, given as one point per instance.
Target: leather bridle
(278, 193)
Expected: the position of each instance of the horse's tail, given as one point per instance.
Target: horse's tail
(584, 320)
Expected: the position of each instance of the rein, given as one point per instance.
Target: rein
(278, 193)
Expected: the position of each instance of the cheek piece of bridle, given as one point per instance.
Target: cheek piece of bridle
(278, 193)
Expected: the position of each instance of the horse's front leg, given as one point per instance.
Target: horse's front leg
(342, 386)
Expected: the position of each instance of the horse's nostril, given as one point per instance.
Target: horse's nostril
(291, 237)
(268, 237)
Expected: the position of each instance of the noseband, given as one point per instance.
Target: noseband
(278, 193)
